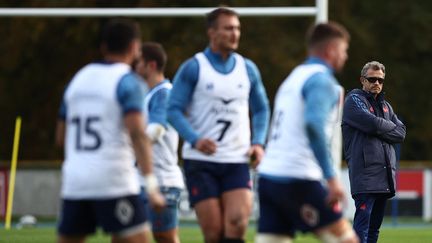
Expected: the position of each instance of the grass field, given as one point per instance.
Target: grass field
(192, 234)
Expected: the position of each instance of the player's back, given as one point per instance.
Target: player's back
(288, 152)
(98, 153)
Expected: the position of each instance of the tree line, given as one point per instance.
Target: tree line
(41, 54)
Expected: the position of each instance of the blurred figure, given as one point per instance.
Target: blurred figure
(298, 187)
(164, 139)
(370, 131)
(101, 126)
(209, 106)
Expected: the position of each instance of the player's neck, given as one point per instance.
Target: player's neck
(222, 52)
(118, 58)
(155, 79)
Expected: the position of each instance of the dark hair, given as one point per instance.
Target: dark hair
(118, 34)
(152, 51)
(213, 16)
(321, 33)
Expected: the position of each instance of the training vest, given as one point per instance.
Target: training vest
(288, 153)
(219, 110)
(165, 159)
(99, 156)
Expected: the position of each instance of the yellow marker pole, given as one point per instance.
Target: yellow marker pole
(13, 172)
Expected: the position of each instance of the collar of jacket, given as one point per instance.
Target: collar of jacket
(370, 96)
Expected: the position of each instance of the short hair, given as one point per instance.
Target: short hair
(374, 65)
(213, 16)
(117, 35)
(152, 51)
(323, 32)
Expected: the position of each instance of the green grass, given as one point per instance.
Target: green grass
(192, 234)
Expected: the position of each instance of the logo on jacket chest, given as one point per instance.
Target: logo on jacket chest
(384, 109)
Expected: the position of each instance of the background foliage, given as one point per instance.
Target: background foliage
(40, 55)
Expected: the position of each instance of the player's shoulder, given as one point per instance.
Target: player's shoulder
(251, 67)
(83, 70)
(250, 64)
(130, 82)
(189, 66)
(131, 78)
(320, 82)
(78, 80)
(191, 62)
(163, 89)
(248, 61)
(321, 76)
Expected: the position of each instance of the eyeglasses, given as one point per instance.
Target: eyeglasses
(374, 79)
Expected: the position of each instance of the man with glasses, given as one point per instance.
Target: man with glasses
(370, 131)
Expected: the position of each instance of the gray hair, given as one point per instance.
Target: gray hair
(372, 65)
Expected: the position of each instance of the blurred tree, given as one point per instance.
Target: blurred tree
(40, 55)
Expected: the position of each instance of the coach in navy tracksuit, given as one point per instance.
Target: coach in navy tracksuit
(370, 131)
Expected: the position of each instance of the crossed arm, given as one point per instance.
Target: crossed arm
(358, 116)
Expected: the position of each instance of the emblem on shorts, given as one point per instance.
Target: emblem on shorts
(195, 191)
(124, 211)
(309, 215)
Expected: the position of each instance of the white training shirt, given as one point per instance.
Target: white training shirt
(165, 158)
(99, 156)
(219, 110)
(290, 154)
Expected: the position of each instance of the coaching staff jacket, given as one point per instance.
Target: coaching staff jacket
(370, 130)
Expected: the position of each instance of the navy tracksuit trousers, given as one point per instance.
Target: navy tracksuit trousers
(369, 215)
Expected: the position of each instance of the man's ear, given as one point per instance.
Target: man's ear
(330, 49)
(133, 49)
(153, 64)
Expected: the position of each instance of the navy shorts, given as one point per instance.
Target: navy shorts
(295, 206)
(209, 179)
(116, 215)
(167, 219)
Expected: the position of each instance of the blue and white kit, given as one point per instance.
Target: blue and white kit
(211, 99)
(165, 158)
(98, 153)
(304, 144)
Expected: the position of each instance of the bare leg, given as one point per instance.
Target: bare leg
(209, 214)
(340, 231)
(139, 237)
(169, 236)
(237, 206)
